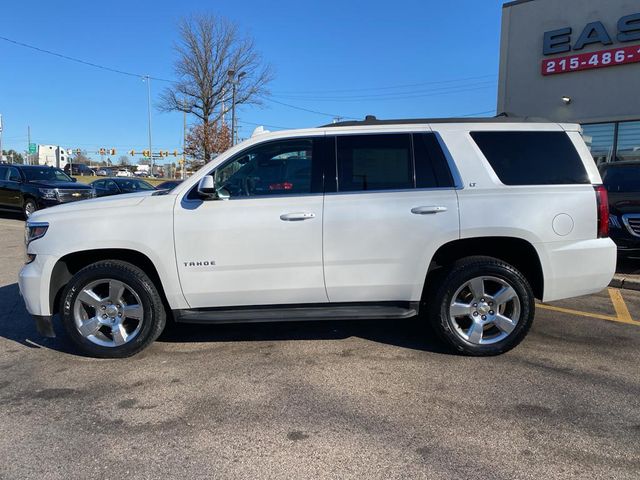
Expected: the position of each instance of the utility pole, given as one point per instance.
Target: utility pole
(0, 137)
(184, 140)
(29, 145)
(234, 80)
(149, 114)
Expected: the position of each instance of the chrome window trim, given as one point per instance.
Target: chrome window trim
(625, 220)
(396, 190)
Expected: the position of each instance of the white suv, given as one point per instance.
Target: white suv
(462, 223)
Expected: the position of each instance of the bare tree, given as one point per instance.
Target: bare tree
(123, 160)
(210, 47)
(81, 157)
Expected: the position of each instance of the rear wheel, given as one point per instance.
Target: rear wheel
(483, 306)
(111, 309)
(29, 207)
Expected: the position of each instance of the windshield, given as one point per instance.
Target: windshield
(45, 174)
(622, 179)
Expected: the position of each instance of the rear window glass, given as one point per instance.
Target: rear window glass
(622, 179)
(532, 158)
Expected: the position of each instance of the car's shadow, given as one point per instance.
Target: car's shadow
(17, 325)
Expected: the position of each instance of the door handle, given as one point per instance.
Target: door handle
(428, 210)
(297, 217)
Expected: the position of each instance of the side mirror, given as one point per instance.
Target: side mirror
(207, 187)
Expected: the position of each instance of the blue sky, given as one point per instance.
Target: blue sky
(407, 58)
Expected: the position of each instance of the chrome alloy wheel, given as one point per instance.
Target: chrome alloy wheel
(484, 310)
(29, 208)
(108, 312)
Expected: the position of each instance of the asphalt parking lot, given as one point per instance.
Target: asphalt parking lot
(323, 400)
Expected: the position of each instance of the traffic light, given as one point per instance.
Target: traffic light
(112, 151)
(146, 153)
(132, 152)
(175, 153)
(102, 151)
(78, 151)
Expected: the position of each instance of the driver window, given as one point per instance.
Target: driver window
(275, 168)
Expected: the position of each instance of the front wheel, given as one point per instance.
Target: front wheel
(483, 306)
(112, 309)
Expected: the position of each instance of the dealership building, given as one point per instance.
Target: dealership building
(575, 61)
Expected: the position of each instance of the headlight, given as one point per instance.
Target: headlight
(49, 193)
(34, 231)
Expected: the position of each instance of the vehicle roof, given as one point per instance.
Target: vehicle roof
(371, 120)
(21, 165)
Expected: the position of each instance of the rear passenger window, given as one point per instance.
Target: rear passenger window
(532, 158)
(374, 162)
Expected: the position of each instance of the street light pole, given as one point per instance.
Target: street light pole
(149, 114)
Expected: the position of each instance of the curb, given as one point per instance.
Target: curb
(625, 283)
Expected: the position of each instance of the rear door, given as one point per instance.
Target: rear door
(390, 203)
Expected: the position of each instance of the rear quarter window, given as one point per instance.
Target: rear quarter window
(532, 158)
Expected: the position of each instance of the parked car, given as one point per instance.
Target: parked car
(461, 223)
(27, 188)
(168, 185)
(123, 172)
(104, 172)
(117, 186)
(79, 169)
(622, 180)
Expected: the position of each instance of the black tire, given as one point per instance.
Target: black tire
(455, 277)
(29, 207)
(153, 317)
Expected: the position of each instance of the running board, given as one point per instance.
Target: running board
(298, 313)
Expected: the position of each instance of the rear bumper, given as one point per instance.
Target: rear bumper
(572, 269)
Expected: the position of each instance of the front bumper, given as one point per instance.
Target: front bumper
(33, 281)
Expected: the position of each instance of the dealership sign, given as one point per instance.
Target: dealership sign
(560, 41)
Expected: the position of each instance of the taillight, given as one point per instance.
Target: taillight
(602, 202)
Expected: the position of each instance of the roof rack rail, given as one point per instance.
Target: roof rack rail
(369, 120)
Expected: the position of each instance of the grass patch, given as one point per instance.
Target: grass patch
(87, 179)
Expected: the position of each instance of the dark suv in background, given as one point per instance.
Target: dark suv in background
(27, 188)
(78, 169)
(622, 180)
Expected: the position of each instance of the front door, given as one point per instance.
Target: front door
(262, 246)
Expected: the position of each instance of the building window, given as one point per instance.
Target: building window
(613, 142)
(628, 141)
(600, 140)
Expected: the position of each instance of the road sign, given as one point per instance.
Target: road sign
(32, 148)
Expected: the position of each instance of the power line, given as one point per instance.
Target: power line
(396, 96)
(305, 109)
(84, 62)
(388, 87)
